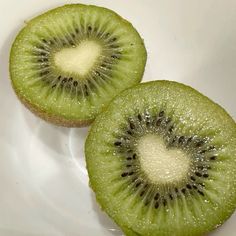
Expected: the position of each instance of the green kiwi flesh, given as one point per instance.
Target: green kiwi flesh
(161, 160)
(68, 63)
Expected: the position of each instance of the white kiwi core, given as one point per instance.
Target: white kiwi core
(162, 165)
(79, 59)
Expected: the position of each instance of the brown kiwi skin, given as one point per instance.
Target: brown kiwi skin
(53, 119)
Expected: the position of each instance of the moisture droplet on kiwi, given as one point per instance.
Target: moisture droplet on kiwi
(182, 173)
(67, 64)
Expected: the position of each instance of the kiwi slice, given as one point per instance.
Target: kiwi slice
(68, 63)
(162, 161)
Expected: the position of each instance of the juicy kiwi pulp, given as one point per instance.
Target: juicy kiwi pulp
(67, 64)
(161, 160)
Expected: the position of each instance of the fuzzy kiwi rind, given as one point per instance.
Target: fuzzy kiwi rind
(50, 118)
(83, 112)
(194, 113)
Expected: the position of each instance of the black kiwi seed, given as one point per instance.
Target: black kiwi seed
(134, 179)
(157, 196)
(117, 143)
(200, 167)
(126, 138)
(45, 66)
(142, 193)
(43, 54)
(124, 174)
(211, 148)
(134, 156)
(205, 175)
(86, 90)
(200, 143)
(183, 190)
(198, 174)
(114, 46)
(131, 125)
(164, 202)
(202, 151)
(89, 28)
(131, 173)
(41, 47)
(171, 129)
(145, 186)
(181, 139)
(44, 73)
(139, 117)
(200, 192)
(128, 166)
(156, 205)
(192, 178)
(71, 43)
(129, 158)
(172, 141)
(161, 114)
(202, 184)
(146, 203)
(158, 122)
(138, 184)
(129, 132)
(189, 186)
(75, 83)
(189, 140)
(167, 121)
(64, 81)
(147, 115)
(112, 40)
(213, 158)
(97, 72)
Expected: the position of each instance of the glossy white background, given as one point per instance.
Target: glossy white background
(43, 180)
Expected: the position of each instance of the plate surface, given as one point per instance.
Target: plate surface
(43, 180)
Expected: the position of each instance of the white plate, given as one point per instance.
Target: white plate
(43, 180)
